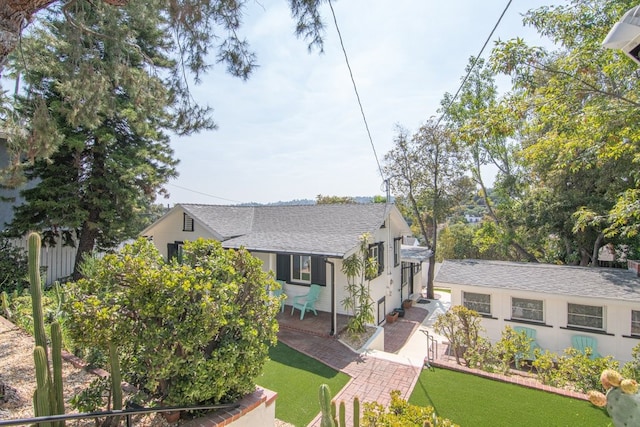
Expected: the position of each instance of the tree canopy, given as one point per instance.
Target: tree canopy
(187, 33)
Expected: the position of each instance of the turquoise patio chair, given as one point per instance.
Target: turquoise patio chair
(306, 302)
(582, 342)
(533, 344)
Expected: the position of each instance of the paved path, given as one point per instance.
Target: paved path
(372, 378)
(374, 374)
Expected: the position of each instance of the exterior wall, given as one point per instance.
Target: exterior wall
(169, 230)
(554, 335)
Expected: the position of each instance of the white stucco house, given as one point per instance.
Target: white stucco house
(306, 245)
(557, 301)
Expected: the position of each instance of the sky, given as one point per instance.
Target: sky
(294, 129)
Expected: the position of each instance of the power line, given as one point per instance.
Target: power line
(204, 194)
(355, 88)
(475, 60)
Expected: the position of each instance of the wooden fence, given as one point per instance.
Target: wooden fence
(58, 260)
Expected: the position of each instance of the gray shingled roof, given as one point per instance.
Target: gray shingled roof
(592, 282)
(332, 230)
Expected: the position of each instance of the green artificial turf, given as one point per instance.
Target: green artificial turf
(297, 378)
(472, 401)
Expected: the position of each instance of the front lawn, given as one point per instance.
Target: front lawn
(296, 378)
(469, 400)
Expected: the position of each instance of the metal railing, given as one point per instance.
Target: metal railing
(126, 413)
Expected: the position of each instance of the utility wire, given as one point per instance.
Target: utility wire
(355, 88)
(204, 194)
(475, 60)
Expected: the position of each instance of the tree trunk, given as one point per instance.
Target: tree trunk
(86, 242)
(596, 250)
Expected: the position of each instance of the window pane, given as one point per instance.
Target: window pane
(478, 302)
(635, 322)
(301, 268)
(527, 309)
(585, 316)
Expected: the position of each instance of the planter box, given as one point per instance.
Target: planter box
(392, 317)
(408, 303)
(400, 311)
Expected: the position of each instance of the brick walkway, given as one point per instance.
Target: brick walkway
(372, 379)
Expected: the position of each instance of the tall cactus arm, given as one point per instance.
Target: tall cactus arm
(325, 406)
(35, 288)
(56, 362)
(41, 404)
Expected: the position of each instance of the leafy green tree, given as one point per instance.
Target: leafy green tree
(485, 126)
(461, 327)
(457, 242)
(578, 114)
(428, 171)
(186, 333)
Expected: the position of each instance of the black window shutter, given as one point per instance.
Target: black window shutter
(380, 258)
(318, 271)
(283, 267)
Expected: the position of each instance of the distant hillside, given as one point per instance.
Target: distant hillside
(300, 202)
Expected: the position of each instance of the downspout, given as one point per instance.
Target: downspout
(334, 316)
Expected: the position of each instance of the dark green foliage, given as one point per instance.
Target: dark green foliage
(187, 333)
(13, 266)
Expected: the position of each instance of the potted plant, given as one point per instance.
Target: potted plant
(392, 317)
(407, 303)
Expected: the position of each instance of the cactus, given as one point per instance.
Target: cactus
(56, 362)
(116, 382)
(35, 287)
(623, 408)
(342, 416)
(48, 396)
(325, 406)
(41, 401)
(622, 399)
(356, 412)
(328, 408)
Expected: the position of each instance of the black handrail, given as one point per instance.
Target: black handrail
(118, 413)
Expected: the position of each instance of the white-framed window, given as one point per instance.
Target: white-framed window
(301, 268)
(478, 302)
(187, 222)
(585, 316)
(376, 252)
(531, 310)
(397, 247)
(635, 323)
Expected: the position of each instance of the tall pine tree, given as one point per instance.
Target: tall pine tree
(106, 113)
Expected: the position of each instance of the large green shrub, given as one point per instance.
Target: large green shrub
(400, 413)
(461, 326)
(190, 332)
